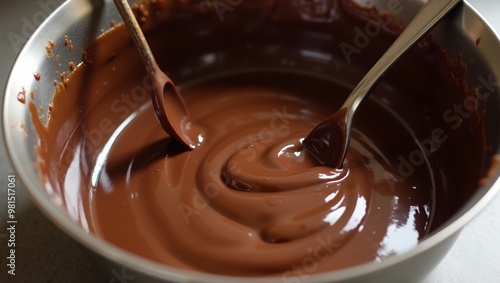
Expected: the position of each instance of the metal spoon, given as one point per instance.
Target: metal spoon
(169, 106)
(329, 141)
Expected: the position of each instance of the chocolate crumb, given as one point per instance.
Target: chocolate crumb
(70, 45)
(66, 41)
(72, 66)
(21, 96)
(21, 127)
(37, 76)
(32, 95)
(50, 48)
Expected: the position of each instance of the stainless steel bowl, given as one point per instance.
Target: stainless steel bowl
(83, 20)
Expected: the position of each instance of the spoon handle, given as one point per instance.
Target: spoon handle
(137, 35)
(425, 20)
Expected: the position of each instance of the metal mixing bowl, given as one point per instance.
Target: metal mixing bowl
(83, 20)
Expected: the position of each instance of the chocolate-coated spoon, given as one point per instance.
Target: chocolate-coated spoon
(169, 106)
(329, 141)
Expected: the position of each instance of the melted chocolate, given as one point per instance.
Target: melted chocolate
(327, 141)
(249, 200)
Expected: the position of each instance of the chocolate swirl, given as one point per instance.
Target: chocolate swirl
(250, 200)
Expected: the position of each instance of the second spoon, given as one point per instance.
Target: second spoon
(329, 141)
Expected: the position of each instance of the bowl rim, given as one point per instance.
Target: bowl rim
(151, 268)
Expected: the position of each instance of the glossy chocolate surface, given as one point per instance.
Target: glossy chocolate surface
(250, 200)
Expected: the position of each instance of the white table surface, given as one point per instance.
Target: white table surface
(45, 254)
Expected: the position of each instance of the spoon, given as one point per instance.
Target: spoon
(170, 108)
(329, 141)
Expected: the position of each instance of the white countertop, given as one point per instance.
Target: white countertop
(45, 254)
